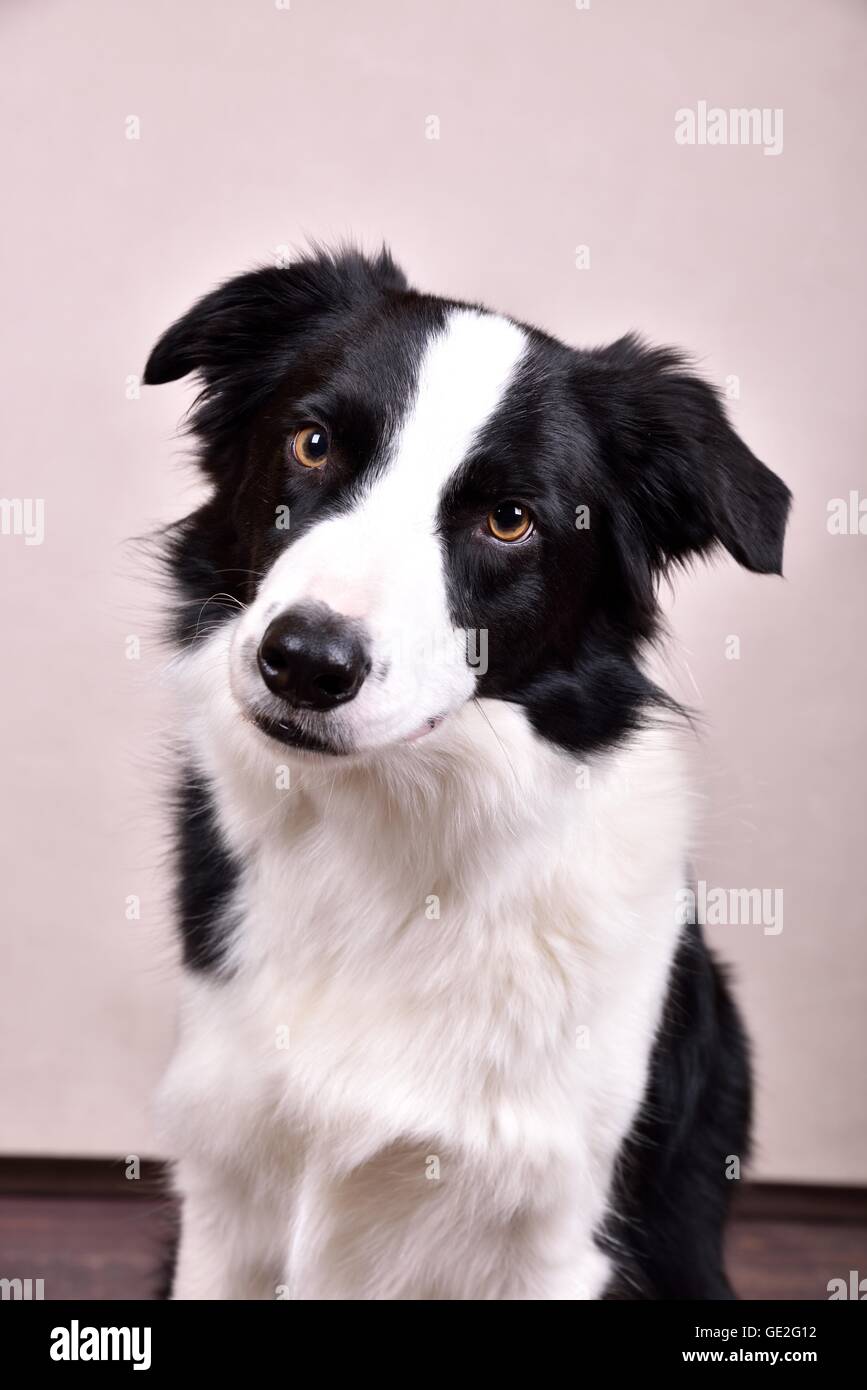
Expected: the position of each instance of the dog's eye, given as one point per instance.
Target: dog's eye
(310, 446)
(510, 522)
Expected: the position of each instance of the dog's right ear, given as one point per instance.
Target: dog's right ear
(251, 318)
(217, 327)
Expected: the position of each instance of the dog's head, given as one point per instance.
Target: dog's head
(418, 502)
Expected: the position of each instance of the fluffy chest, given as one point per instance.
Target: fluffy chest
(431, 1031)
(491, 986)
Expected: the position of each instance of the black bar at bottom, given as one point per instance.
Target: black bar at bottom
(162, 1338)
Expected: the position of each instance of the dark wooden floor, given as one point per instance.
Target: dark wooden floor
(93, 1238)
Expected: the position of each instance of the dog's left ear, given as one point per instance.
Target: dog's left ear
(689, 480)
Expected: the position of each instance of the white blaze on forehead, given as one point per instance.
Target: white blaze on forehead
(384, 554)
(463, 377)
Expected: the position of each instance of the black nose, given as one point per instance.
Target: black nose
(313, 658)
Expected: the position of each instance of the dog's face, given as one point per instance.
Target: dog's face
(419, 503)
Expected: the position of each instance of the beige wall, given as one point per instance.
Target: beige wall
(260, 125)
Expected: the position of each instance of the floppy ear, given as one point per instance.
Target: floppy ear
(254, 316)
(689, 480)
(219, 327)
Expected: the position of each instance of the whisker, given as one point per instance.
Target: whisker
(230, 597)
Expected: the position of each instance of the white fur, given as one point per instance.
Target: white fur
(387, 1092)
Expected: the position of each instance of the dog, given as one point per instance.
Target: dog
(444, 1033)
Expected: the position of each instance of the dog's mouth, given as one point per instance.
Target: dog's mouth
(295, 732)
(293, 728)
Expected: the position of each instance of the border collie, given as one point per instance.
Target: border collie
(445, 1033)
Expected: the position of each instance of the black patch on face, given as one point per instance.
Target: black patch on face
(335, 342)
(562, 625)
(624, 437)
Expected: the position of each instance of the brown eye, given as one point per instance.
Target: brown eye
(510, 522)
(310, 446)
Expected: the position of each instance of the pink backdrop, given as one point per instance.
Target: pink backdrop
(260, 124)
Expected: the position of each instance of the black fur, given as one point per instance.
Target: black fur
(675, 1181)
(206, 875)
(626, 431)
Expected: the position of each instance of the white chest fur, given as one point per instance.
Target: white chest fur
(432, 1032)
